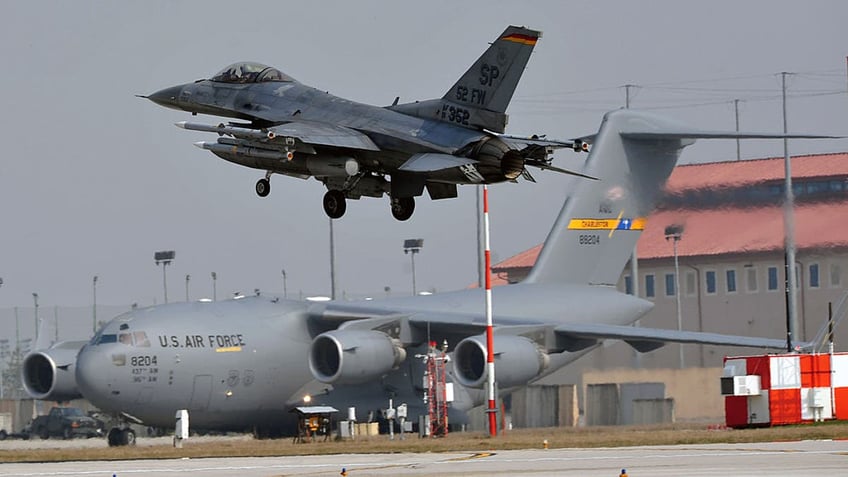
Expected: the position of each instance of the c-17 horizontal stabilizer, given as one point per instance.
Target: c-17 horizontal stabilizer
(633, 154)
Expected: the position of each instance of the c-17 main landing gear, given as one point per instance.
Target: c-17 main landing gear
(403, 207)
(335, 204)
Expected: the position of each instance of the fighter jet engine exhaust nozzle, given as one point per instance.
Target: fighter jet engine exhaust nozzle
(49, 374)
(496, 157)
(353, 356)
(517, 361)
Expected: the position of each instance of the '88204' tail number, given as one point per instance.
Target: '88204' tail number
(589, 239)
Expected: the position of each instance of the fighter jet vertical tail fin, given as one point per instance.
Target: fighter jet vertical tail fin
(480, 98)
(599, 224)
(488, 85)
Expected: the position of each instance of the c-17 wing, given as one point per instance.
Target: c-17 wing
(575, 336)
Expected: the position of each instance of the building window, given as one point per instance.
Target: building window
(649, 286)
(751, 279)
(772, 278)
(628, 285)
(669, 284)
(814, 275)
(731, 281)
(835, 275)
(710, 278)
(690, 283)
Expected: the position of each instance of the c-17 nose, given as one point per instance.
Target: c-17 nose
(91, 370)
(166, 97)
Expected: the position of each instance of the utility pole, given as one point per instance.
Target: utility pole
(789, 231)
(736, 109)
(214, 287)
(94, 305)
(188, 277)
(35, 301)
(285, 288)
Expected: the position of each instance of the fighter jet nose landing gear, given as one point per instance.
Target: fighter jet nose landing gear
(403, 207)
(334, 203)
(263, 187)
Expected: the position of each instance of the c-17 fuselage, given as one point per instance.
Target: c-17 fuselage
(360, 150)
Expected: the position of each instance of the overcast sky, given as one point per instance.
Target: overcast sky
(94, 180)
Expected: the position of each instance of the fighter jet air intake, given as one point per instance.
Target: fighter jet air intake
(245, 363)
(354, 149)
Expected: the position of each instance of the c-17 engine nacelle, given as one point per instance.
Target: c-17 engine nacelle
(517, 361)
(50, 374)
(353, 356)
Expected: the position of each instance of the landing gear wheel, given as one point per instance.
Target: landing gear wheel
(114, 437)
(128, 437)
(403, 207)
(334, 203)
(263, 187)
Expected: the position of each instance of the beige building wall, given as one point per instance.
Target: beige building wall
(696, 391)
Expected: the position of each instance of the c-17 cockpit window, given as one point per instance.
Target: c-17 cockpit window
(249, 73)
(141, 340)
(100, 338)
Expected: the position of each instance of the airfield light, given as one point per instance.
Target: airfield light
(674, 232)
(411, 247)
(307, 399)
(165, 257)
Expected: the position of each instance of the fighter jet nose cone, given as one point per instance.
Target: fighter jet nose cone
(166, 97)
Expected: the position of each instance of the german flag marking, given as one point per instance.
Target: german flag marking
(519, 38)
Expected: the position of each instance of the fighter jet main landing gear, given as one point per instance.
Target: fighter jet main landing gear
(335, 203)
(263, 187)
(403, 207)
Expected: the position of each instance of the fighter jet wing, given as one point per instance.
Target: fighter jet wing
(297, 134)
(324, 134)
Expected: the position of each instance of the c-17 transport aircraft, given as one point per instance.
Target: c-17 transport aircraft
(245, 363)
(360, 150)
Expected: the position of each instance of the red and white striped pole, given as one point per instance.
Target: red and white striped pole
(490, 339)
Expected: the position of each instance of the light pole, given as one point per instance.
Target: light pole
(94, 305)
(214, 287)
(674, 233)
(164, 257)
(35, 301)
(188, 277)
(285, 289)
(413, 246)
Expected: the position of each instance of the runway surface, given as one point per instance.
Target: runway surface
(805, 458)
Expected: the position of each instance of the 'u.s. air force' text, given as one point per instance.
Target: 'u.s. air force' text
(200, 341)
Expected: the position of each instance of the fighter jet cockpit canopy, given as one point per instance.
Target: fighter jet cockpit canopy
(249, 72)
